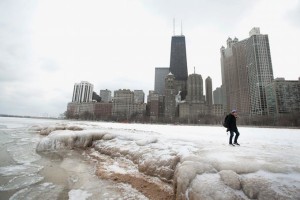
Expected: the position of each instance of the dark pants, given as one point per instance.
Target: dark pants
(236, 136)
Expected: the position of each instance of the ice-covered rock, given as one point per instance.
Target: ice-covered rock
(262, 189)
(69, 139)
(209, 186)
(143, 142)
(46, 130)
(186, 172)
(151, 158)
(231, 179)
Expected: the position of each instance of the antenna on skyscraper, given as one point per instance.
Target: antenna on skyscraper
(174, 26)
(181, 26)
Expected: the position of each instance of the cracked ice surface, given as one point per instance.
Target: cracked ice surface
(196, 159)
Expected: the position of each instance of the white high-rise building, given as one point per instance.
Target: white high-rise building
(83, 92)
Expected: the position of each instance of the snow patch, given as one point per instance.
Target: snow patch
(79, 194)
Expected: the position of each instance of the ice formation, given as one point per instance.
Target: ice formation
(195, 161)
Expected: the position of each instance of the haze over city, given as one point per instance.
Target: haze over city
(47, 46)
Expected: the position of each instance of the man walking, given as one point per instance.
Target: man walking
(232, 128)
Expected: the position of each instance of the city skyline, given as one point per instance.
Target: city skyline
(43, 54)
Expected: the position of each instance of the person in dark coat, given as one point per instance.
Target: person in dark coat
(232, 128)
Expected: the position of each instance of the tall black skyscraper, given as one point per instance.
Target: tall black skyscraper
(178, 63)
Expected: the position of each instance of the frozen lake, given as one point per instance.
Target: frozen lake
(52, 159)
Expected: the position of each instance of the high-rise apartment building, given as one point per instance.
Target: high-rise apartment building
(170, 93)
(194, 104)
(195, 89)
(139, 96)
(283, 96)
(160, 75)
(260, 71)
(217, 94)
(246, 68)
(122, 103)
(82, 92)
(208, 91)
(153, 102)
(235, 86)
(105, 95)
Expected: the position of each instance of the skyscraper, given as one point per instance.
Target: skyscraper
(178, 63)
(260, 71)
(82, 92)
(217, 94)
(195, 89)
(160, 75)
(246, 68)
(170, 93)
(235, 86)
(208, 91)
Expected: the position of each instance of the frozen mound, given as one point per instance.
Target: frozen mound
(69, 139)
(185, 173)
(48, 129)
(151, 157)
(196, 180)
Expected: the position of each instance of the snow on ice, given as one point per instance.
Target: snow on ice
(194, 162)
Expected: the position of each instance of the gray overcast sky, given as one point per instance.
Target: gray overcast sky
(48, 45)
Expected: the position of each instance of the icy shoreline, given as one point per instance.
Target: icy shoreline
(187, 162)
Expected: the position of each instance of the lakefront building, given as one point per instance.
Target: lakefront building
(139, 96)
(124, 106)
(194, 104)
(260, 71)
(105, 95)
(82, 92)
(283, 96)
(246, 69)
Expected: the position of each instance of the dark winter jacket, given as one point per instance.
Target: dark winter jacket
(232, 123)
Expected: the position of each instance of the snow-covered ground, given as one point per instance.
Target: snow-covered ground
(188, 162)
